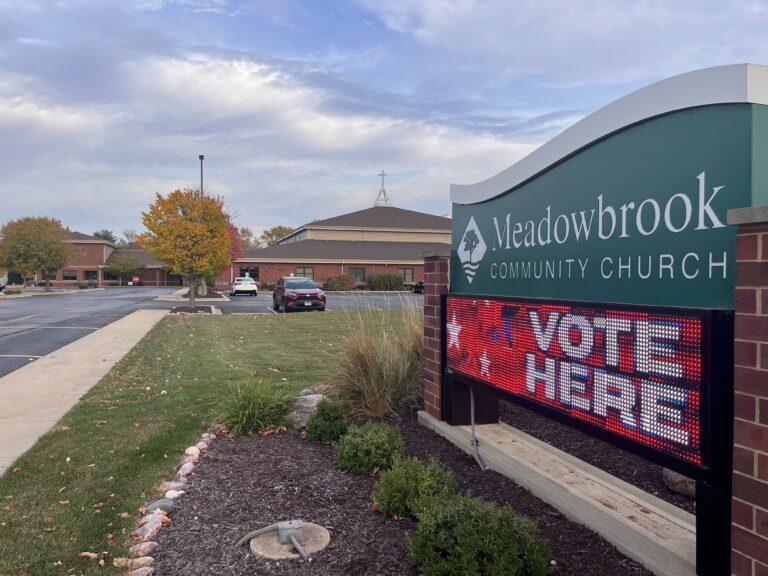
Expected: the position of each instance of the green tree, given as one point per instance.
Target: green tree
(123, 265)
(270, 236)
(107, 235)
(34, 244)
(190, 233)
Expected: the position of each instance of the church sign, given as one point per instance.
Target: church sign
(593, 281)
(629, 372)
(638, 217)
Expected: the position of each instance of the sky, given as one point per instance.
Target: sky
(297, 105)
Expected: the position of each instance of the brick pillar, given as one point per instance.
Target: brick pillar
(749, 506)
(435, 284)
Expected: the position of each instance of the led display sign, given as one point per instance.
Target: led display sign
(636, 373)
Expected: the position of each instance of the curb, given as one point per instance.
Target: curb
(3, 295)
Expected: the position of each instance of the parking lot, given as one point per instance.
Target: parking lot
(35, 326)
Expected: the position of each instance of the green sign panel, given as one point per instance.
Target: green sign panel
(638, 217)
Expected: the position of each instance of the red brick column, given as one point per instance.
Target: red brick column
(435, 283)
(749, 506)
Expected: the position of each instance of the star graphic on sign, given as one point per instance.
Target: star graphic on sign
(485, 364)
(453, 332)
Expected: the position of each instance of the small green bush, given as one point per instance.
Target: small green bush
(385, 282)
(464, 536)
(329, 422)
(340, 283)
(253, 406)
(366, 447)
(404, 489)
(12, 291)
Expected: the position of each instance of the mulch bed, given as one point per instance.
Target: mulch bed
(211, 294)
(191, 310)
(245, 483)
(617, 462)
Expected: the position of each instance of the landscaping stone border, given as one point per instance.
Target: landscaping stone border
(157, 513)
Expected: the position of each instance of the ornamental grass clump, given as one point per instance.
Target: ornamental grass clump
(253, 406)
(381, 369)
(404, 489)
(329, 421)
(365, 448)
(463, 536)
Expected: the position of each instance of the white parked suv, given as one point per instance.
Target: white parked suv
(244, 285)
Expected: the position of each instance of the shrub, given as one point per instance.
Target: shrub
(385, 282)
(83, 285)
(340, 283)
(12, 291)
(465, 536)
(366, 447)
(253, 406)
(404, 489)
(329, 422)
(381, 366)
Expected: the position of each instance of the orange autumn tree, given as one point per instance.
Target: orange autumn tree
(190, 233)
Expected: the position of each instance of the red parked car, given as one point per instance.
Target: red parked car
(297, 293)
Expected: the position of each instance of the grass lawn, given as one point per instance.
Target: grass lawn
(80, 487)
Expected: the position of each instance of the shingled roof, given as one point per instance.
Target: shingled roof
(346, 250)
(80, 237)
(384, 217)
(147, 259)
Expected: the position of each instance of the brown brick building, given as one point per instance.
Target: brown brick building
(377, 240)
(90, 255)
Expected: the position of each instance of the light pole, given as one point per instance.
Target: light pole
(202, 157)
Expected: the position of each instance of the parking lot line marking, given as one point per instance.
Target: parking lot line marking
(19, 318)
(271, 309)
(19, 356)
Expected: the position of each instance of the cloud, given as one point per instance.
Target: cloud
(38, 42)
(297, 108)
(280, 146)
(582, 41)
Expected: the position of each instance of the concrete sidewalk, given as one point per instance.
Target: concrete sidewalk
(36, 396)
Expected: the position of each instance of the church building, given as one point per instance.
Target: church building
(378, 240)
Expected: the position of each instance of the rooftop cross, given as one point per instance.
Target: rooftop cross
(382, 199)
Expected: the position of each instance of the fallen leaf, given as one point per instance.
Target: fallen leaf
(17, 469)
(111, 539)
(91, 555)
(63, 502)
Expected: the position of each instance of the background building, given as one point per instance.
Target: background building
(377, 240)
(90, 255)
